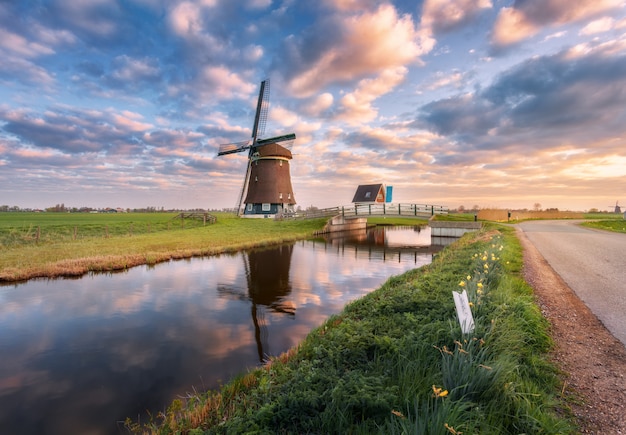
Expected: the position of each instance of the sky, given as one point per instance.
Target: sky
(489, 103)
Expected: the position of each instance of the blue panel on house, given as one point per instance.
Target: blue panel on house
(389, 194)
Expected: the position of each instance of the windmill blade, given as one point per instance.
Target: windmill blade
(262, 106)
(288, 138)
(235, 147)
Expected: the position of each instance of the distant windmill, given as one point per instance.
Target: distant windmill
(267, 183)
(618, 209)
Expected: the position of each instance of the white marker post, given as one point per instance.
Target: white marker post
(463, 311)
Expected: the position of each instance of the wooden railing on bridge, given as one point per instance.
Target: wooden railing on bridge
(376, 209)
(206, 218)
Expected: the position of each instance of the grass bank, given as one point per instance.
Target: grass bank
(396, 361)
(615, 225)
(119, 241)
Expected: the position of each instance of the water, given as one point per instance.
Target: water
(81, 355)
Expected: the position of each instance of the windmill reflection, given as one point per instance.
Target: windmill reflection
(268, 285)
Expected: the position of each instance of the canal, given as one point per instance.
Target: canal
(82, 355)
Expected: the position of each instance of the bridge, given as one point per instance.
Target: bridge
(375, 209)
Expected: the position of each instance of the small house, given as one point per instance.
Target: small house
(372, 193)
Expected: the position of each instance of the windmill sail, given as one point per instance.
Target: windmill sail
(262, 107)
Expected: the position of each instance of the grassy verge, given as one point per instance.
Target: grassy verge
(396, 361)
(618, 226)
(401, 221)
(167, 239)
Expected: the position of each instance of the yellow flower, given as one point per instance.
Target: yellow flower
(469, 277)
(462, 284)
(398, 414)
(452, 430)
(439, 392)
(471, 304)
(480, 285)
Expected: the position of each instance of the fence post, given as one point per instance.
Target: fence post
(369, 208)
(399, 210)
(384, 209)
(343, 212)
(432, 210)
(204, 220)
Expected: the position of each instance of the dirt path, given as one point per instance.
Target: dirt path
(592, 360)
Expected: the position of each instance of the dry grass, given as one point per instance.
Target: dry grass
(498, 215)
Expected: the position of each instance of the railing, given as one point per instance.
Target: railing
(206, 218)
(376, 209)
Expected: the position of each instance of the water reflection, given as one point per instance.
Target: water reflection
(78, 356)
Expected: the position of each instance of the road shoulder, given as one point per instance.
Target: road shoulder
(592, 360)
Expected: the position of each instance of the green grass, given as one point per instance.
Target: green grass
(396, 361)
(618, 226)
(133, 239)
(604, 216)
(466, 217)
(396, 221)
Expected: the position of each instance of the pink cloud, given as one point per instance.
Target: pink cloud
(441, 15)
(367, 43)
(525, 19)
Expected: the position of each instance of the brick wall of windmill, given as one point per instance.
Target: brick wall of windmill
(270, 177)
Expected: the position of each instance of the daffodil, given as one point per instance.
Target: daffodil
(462, 284)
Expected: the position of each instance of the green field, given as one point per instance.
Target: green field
(615, 225)
(43, 244)
(17, 229)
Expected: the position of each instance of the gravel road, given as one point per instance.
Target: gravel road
(591, 262)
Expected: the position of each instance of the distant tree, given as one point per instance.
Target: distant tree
(461, 208)
(593, 210)
(475, 207)
(537, 206)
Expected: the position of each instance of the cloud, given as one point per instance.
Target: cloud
(543, 102)
(97, 18)
(316, 106)
(598, 26)
(343, 48)
(448, 15)
(356, 107)
(76, 132)
(527, 17)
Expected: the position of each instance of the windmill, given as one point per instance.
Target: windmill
(267, 183)
(618, 209)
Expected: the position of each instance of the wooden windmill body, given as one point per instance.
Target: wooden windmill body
(267, 189)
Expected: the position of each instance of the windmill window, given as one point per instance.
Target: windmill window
(368, 194)
(256, 178)
(249, 207)
(280, 162)
(265, 207)
(289, 196)
(280, 196)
